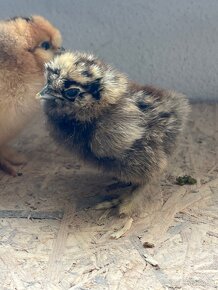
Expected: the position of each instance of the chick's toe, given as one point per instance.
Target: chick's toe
(108, 204)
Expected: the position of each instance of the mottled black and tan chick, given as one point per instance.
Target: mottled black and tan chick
(123, 128)
(26, 44)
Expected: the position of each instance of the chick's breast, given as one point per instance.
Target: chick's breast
(17, 94)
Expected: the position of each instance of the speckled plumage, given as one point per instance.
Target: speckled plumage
(123, 128)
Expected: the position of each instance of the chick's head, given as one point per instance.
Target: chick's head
(37, 36)
(81, 85)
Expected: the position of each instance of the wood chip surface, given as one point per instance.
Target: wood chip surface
(51, 236)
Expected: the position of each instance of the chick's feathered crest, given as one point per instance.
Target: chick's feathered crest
(86, 69)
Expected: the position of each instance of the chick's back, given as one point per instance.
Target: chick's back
(140, 133)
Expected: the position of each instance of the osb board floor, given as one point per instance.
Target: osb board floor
(62, 242)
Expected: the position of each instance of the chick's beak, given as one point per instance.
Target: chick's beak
(59, 50)
(45, 94)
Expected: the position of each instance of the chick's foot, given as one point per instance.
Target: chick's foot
(132, 203)
(123, 230)
(122, 201)
(129, 207)
(8, 158)
(108, 204)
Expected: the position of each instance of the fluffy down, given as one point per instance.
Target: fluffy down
(26, 44)
(125, 129)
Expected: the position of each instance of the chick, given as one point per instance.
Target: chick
(112, 123)
(26, 44)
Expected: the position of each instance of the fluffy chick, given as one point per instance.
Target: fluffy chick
(25, 45)
(123, 128)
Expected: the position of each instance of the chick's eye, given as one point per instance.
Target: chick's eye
(46, 45)
(87, 74)
(72, 93)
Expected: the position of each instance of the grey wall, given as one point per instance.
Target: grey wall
(170, 43)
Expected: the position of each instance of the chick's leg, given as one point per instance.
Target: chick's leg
(7, 167)
(130, 204)
(142, 201)
(12, 156)
(115, 201)
(138, 201)
(9, 157)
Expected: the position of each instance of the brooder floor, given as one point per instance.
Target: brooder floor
(51, 237)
